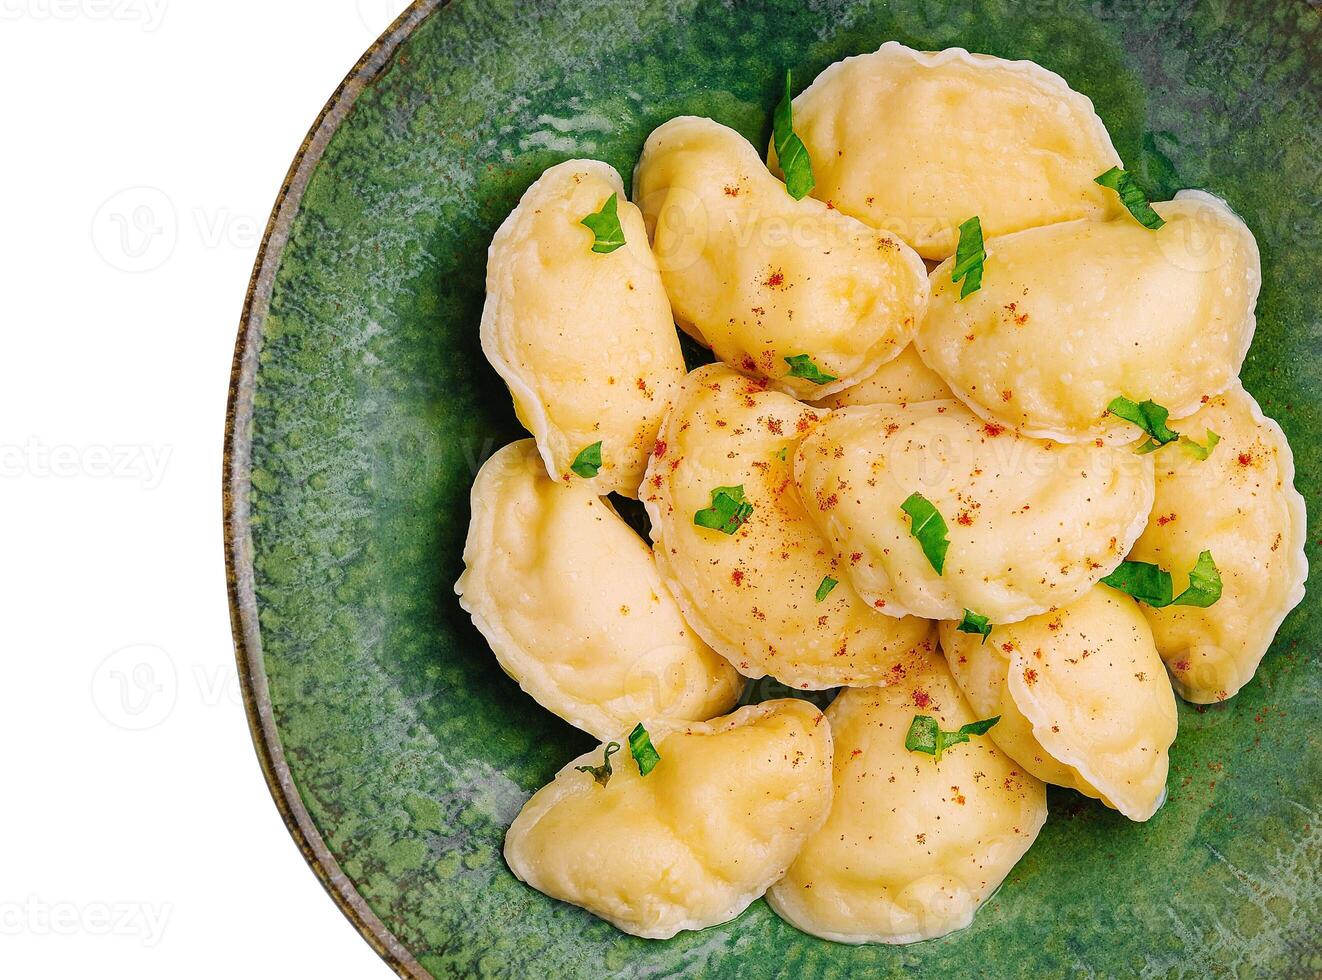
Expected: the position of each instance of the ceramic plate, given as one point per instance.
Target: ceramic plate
(362, 406)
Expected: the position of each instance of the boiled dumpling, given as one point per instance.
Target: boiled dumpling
(1031, 524)
(584, 339)
(912, 847)
(570, 600)
(919, 141)
(695, 841)
(898, 382)
(1241, 505)
(763, 596)
(762, 278)
(1083, 698)
(1072, 316)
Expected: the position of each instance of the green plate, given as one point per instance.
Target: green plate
(361, 407)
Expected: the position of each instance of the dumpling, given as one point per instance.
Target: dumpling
(1241, 505)
(898, 382)
(584, 339)
(570, 600)
(762, 278)
(1031, 524)
(919, 141)
(1072, 316)
(754, 594)
(1083, 698)
(697, 840)
(912, 847)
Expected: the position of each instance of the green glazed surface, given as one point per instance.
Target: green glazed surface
(372, 406)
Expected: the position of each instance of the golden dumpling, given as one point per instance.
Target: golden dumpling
(697, 840)
(919, 141)
(570, 600)
(1241, 505)
(584, 340)
(760, 596)
(1082, 695)
(771, 284)
(1072, 316)
(912, 847)
(1031, 524)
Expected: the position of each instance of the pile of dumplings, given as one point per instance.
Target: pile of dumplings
(906, 477)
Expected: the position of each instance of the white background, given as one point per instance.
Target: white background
(142, 147)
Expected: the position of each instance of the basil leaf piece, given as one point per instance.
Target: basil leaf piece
(1131, 196)
(1200, 452)
(969, 257)
(601, 773)
(925, 735)
(790, 151)
(727, 512)
(825, 588)
(605, 224)
(587, 463)
(783, 453)
(973, 623)
(1204, 587)
(1148, 416)
(802, 366)
(642, 750)
(1151, 584)
(929, 527)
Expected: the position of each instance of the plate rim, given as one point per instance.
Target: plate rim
(236, 480)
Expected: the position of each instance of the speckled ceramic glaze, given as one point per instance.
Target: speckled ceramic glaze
(362, 406)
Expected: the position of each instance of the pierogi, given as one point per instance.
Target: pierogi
(918, 141)
(695, 841)
(584, 340)
(762, 278)
(754, 595)
(899, 382)
(1031, 524)
(1074, 315)
(912, 847)
(571, 602)
(1241, 505)
(1082, 694)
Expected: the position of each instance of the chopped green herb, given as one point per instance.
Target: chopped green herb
(825, 588)
(1197, 451)
(1131, 196)
(969, 257)
(783, 453)
(1148, 416)
(601, 773)
(973, 623)
(790, 151)
(1151, 584)
(605, 224)
(587, 463)
(727, 512)
(925, 735)
(928, 526)
(802, 366)
(640, 747)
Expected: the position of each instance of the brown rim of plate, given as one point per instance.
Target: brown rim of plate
(234, 492)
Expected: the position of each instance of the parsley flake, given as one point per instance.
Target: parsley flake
(925, 735)
(601, 773)
(973, 623)
(1131, 196)
(727, 512)
(1148, 416)
(825, 588)
(605, 224)
(642, 750)
(802, 366)
(790, 151)
(1151, 584)
(969, 257)
(929, 527)
(587, 463)
(1197, 451)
